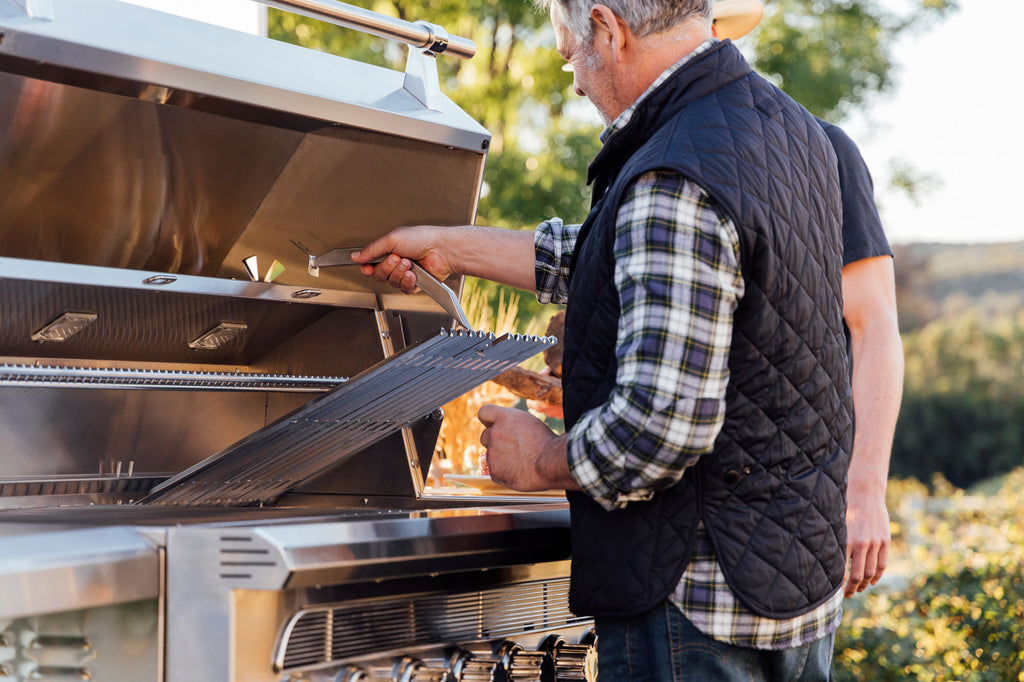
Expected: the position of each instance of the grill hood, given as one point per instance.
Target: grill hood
(137, 139)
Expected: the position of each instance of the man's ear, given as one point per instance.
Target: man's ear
(610, 31)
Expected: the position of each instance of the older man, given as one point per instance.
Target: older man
(707, 398)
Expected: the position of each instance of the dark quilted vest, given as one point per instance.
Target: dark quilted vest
(772, 491)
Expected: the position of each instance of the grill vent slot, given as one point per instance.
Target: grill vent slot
(379, 627)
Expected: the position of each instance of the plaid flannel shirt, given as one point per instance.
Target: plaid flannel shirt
(678, 274)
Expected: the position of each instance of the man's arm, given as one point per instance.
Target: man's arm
(869, 307)
(504, 256)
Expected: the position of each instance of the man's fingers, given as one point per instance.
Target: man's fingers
(870, 567)
(374, 250)
(867, 563)
(488, 414)
(856, 574)
(882, 564)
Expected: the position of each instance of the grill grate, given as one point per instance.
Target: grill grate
(368, 407)
(358, 629)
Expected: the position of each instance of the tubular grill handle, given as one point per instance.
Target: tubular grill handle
(420, 35)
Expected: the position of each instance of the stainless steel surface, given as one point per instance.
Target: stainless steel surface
(415, 34)
(246, 583)
(119, 642)
(67, 571)
(165, 144)
(349, 418)
(437, 290)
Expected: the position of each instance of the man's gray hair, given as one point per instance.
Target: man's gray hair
(643, 17)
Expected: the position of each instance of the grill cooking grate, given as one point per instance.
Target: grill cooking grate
(353, 416)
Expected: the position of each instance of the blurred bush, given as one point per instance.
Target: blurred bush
(952, 605)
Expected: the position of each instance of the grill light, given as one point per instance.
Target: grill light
(218, 336)
(252, 268)
(63, 327)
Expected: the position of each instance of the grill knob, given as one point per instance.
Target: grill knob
(478, 670)
(575, 662)
(414, 670)
(352, 673)
(425, 674)
(525, 666)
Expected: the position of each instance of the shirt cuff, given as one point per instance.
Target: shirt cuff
(586, 430)
(549, 246)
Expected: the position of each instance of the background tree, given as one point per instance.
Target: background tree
(834, 56)
(829, 55)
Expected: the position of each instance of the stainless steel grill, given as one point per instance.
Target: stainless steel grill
(214, 445)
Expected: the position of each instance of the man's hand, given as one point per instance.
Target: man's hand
(501, 255)
(399, 248)
(867, 542)
(522, 452)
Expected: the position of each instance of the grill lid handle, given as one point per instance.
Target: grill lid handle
(431, 286)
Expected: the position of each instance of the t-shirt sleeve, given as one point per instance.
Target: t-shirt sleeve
(863, 235)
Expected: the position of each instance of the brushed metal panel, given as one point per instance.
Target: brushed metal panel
(106, 180)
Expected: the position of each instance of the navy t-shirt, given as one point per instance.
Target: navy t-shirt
(863, 236)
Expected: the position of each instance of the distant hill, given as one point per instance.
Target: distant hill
(934, 280)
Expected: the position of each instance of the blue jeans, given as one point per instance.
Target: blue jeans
(663, 646)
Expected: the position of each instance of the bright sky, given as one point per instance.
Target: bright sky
(956, 116)
(243, 15)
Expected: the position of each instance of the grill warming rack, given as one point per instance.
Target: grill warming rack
(102, 377)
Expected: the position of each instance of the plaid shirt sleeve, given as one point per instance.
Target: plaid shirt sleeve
(678, 276)
(553, 244)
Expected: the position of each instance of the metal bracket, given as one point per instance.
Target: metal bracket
(421, 79)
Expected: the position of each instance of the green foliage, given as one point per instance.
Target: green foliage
(831, 56)
(524, 188)
(963, 408)
(960, 618)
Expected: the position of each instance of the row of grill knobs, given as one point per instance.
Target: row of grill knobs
(556, 661)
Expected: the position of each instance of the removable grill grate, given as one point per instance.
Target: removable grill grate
(373, 628)
(353, 416)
